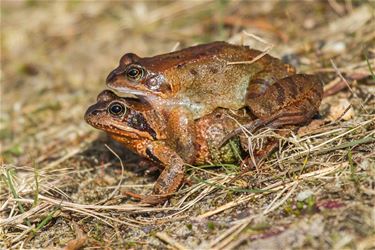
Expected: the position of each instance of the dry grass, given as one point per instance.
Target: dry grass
(62, 187)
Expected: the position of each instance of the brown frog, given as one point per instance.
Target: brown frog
(199, 78)
(139, 127)
(193, 82)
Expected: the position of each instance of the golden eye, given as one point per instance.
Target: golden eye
(117, 109)
(134, 73)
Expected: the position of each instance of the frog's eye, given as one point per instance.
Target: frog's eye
(117, 109)
(134, 73)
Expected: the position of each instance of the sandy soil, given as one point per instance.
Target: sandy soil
(62, 185)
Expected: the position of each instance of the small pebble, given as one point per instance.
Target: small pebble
(338, 108)
(301, 196)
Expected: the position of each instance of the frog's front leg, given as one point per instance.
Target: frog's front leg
(170, 178)
(181, 130)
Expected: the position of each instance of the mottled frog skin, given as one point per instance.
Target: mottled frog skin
(191, 83)
(199, 78)
(146, 132)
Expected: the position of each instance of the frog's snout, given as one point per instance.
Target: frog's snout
(111, 77)
(91, 112)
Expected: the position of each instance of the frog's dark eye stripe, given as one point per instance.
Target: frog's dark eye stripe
(138, 121)
(134, 73)
(117, 109)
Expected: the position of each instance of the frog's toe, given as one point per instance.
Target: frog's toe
(133, 195)
(147, 199)
(153, 199)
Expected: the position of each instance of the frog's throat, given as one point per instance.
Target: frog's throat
(125, 90)
(157, 101)
(197, 110)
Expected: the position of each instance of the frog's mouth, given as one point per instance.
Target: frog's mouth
(125, 131)
(120, 91)
(141, 92)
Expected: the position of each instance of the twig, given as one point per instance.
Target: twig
(175, 47)
(166, 238)
(338, 72)
(232, 233)
(264, 52)
(272, 188)
(121, 179)
(337, 7)
(271, 208)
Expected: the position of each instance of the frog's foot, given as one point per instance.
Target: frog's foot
(133, 195)
(148, 199)
(154, 199)
(248, 164)
(170, 179)
(250, 127)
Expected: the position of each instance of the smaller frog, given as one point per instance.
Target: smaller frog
(135, 124)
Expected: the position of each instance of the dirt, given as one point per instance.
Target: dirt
(63, 182)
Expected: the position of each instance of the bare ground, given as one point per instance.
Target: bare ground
(62, 182)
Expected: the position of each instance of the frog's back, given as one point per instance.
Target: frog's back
(205, 77)
(191, 55)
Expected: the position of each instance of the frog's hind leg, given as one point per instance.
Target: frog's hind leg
(287, 117)
(283, 118)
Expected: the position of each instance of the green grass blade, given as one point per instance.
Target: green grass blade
(15, 194)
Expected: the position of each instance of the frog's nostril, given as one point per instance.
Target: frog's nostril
(91, 111)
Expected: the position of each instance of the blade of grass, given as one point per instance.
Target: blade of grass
(36, 193)
(234, 149)
(305, 161)
(369, 67)
(15, 194)
(45, 221)
(348, 144)
(353, 175)
(216, 166)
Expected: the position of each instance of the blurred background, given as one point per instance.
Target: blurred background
(56, 55)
